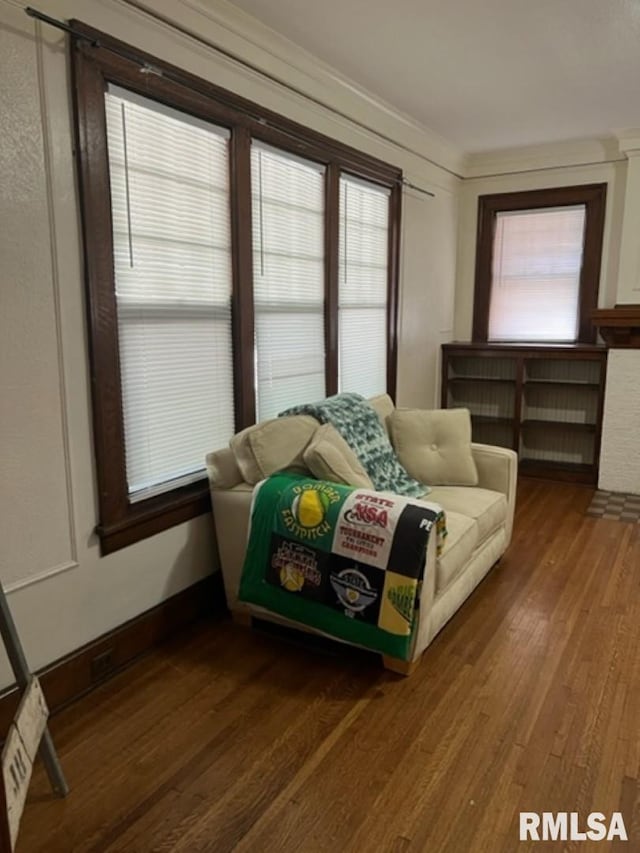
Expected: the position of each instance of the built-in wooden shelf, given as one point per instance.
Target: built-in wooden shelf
(544, 401)
(491, 419)
(561, 383)
(573, 425)
(497, 379)
(549, 469)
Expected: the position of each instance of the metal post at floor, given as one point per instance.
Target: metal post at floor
(23, 678)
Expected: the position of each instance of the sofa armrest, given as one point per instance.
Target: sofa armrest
(498, 471)
(223, 470)
(231, 514)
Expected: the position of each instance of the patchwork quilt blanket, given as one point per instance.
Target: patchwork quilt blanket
(346, 561)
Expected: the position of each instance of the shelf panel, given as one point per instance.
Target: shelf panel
(559, 383)
(568, 471)
(491, 419)
(573, 425)
(493, 379)
(528, 350)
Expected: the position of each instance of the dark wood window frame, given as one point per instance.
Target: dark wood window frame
(97, 60)
(593, 196)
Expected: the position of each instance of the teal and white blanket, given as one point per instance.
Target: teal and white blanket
(359, 425)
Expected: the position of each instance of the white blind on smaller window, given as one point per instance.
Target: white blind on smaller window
(169, 177)
(288, 279)
(535, 288)
(362, 287)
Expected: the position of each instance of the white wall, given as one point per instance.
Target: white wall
(629, 278)
(427, 299)
(62, 592)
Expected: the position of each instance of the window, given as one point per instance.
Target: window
(538, 265)
(363, 283)
(288, 279)
(172, 270)
(236, 264)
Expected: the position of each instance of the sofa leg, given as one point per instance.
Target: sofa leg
(402, 667)
(242, 617)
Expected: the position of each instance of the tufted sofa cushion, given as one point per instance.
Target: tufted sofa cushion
(434, 445)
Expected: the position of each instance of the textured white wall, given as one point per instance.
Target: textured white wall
(629, 280)
(62, 592)
(35, 477)
(620, 457)
(427, 298)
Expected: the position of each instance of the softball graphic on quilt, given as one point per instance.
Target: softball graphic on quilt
(309, 508)
(291, 578)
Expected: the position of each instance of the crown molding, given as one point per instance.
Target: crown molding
(629, 142)
(531, 158)
(262, 48)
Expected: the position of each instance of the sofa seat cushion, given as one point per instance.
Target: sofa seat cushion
(487, 508)
(461, 541)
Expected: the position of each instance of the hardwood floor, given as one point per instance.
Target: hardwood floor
(528, 700)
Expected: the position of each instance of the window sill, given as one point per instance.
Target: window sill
(153, 516)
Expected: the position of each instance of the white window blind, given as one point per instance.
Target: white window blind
(288, 280)
(537, 259)
(362, 289)
(169, 177)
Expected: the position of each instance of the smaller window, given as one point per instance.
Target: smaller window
(538, 265)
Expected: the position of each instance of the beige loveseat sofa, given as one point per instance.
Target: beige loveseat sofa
(479, 522)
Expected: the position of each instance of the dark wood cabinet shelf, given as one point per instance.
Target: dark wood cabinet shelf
(490, 419)
(545, 402)
(559, 383)
(482, 379)
(552, 470)
(573, 425)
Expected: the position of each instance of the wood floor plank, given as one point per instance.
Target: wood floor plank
(227, 740)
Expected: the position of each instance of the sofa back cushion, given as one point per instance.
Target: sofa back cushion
(278, 444)
(329, 457)
(273, 445)
(435, 445)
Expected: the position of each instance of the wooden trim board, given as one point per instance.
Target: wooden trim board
(94, 663)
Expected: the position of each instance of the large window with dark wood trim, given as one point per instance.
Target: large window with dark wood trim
(538, 265)
(236, 263)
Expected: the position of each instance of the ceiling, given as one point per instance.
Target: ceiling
(483, 75)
